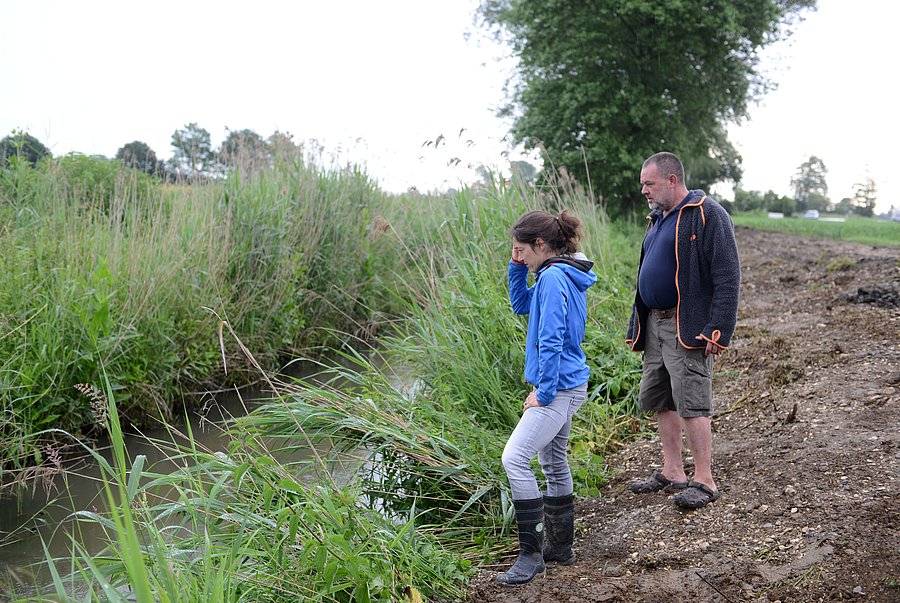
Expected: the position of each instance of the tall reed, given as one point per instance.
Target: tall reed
(102, 265)
(460, 349)
(460, 335)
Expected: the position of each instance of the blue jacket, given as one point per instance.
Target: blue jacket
(557, 309)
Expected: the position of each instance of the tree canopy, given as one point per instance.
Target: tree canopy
(756, 201)
(601, 85)
(23, 145)
(865, 197)
(140, 156)
(193, 155)
(810, 187)
(244, 148)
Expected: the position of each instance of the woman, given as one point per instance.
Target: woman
(555, 367)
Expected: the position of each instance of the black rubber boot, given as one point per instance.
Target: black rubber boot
(530, 564)
(559, 524)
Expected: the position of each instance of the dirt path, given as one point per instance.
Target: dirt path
(806, 447)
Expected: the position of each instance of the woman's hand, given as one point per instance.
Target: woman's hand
(531, 401)
(517, 254)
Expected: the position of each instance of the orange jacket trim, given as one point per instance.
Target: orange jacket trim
(678, 266)
(716, 335)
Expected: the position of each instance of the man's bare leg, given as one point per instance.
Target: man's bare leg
(670, 435)
(699, 433)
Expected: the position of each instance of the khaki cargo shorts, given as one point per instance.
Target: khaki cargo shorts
(674, 378)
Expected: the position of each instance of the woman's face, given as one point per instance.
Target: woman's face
(531, 255)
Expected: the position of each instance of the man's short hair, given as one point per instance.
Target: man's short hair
(667, 163)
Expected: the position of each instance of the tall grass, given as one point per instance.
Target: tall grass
(114, 268)
(466, 345)
(436, 447)
(425, 495)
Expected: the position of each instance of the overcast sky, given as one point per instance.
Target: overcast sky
(373, 82)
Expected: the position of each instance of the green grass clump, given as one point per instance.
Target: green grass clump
(411, 457)
(839, 264)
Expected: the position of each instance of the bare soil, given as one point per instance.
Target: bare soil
(806, 452)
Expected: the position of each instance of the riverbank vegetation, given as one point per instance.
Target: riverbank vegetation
(136, 292)
(105, 268)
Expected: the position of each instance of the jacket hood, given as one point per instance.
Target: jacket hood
(576, 266)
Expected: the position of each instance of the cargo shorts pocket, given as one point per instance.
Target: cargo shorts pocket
(697, 382)
(696, 362)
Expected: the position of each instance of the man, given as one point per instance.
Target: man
(684, 314)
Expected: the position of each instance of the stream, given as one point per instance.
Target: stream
(39, 514)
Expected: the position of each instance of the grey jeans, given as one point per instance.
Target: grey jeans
(543, 431)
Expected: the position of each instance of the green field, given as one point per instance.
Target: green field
(869, 231)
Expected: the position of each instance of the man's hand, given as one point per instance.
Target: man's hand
(531, 401)
(712, 349)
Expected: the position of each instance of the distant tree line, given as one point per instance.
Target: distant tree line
(600, 86)
(193, 157)
(810, 192)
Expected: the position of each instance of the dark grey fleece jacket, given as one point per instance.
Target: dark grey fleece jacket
(707, 276)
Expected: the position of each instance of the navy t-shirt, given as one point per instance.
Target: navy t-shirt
(656, 280)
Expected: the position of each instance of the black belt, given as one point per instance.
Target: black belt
(663, 314)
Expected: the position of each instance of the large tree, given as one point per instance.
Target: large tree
(24, 146)
(810, 187)
(244, 148)
(140, 156)
(865, 197)
(193, 155)
(603, 84)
